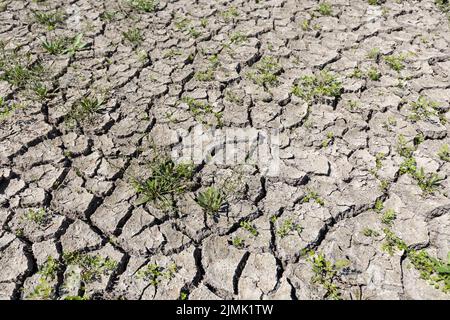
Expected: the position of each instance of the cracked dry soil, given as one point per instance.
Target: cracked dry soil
(91, 91)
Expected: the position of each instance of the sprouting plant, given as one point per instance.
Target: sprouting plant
(108, 15)
(18, 69)
(370, 233)
(229, 14)
(287, 227)
(90, 105)
(64, 45)
(306, 25)
(171, 53)
(184, 24)
(325, 9)
(50, 268)
(352, 104)
(418, 139)
(435, 271)
(144, 5)
(92, 266)
(265, 72)
(323, 84)
(19, 233)
(423, 109)
(312, 195)
(395, 62)
(233, 97)
(357, 73)
(238, 242)
(49, 19)
(205, 75)
(56, 46)
(41, 91)
(384, 185)
(6, 109)
(379, 157)
(373, 53)
(183, 295)
(154, 273)
(211, 200)
(403, 149)
(194, 32)
(84, 109)
(246, 225)
(19, 75)
(373, 2)
(325, 274)
(44, 290)
(428, 182)
(392, 242)
(328, 140)
(200, 110)
(444, 153)
(133, 36)
(238, 38)
(209, 73)
(151, 273)
(379, 205)
(39, 217)
(373, 74)
(408, 166)
(388, 217)
(166, 180)
(76, 45)
(444, 6)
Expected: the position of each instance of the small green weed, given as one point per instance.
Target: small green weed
(246, 225)
(435, 271)
(166, 180)
(325, 9)
(229, 14)
(154, 273)
(49, 19)
(323, 84)
(92, 266)
(83, 110)
(444, 153)
(144, 5)
(200, 110)
(373, 54)
(325, 274)
(265, 72)
(370, 233)
(238, 242)
(395, 62)
(287, 227)
(388, 217)
(133, 36)
(374, 74)
(211, 200)
(423, 109)
(312, 195)
(39, 216)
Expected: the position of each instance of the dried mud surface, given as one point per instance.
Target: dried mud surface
(67, 189)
